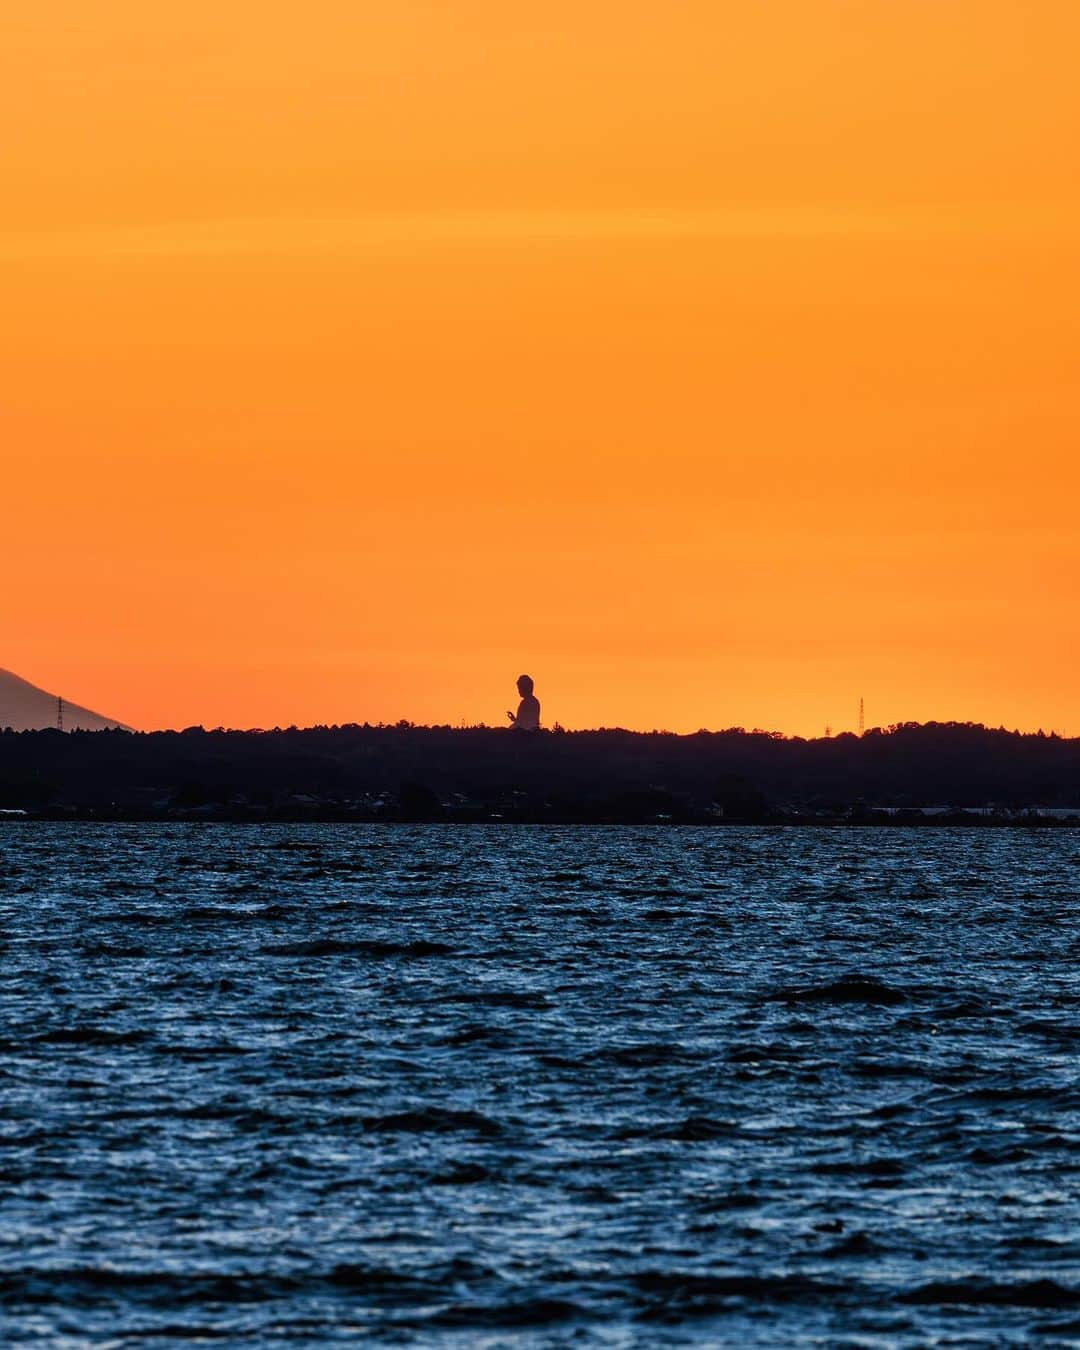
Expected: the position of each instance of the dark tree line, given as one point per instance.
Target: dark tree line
(424, 772)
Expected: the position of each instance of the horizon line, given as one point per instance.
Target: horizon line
(557, 729)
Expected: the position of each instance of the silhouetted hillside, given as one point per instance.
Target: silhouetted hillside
(25, 707)
(478, 774)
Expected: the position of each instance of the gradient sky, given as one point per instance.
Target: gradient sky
(713, 362)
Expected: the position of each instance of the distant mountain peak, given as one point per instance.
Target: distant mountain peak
(25, 707)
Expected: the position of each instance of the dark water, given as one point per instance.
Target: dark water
(531, 1086)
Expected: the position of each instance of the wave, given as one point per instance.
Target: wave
(858, 1244)
(721, 1202)
(433, 1120)
(501, 998)
(111, 952)
(464, 1174)
(692, 1129)
(531, 1312)
(229, 914)
(1019, 1294)
(91, 1036)
(775, 1052)
(865, 989)
(92, 1284)
(868, 1167)
(689, 1287)
(407, 1285)
(643, 1056)
(369, 948)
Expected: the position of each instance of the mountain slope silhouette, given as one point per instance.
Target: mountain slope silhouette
(25, 707)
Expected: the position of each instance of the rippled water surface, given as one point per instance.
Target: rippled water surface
(489, 1086)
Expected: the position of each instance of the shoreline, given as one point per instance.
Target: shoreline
(867, 820)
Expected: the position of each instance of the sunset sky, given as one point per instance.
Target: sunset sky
(715, 363)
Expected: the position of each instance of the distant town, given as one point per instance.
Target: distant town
(932, 774)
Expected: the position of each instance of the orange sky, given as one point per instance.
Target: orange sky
(714, 362)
